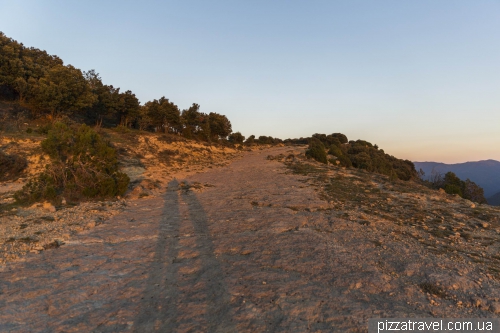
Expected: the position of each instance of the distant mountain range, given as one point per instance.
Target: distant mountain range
(484, 173)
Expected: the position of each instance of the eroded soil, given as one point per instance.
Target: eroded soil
(261, 245)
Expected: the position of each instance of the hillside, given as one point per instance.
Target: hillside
(494, 199)
(150, 160)
(268, 242)
(484, 173)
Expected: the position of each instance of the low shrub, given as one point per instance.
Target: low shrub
(11, 166)
(82, 166)
(316, 151)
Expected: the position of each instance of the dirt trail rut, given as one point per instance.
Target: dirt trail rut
(235, 249)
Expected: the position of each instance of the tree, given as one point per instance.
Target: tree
(421, 174)
(63, 89)
(106, 100)
(473, 192)
(128, 109)
(220, 126)
(236, 138)
(163, 115)
(191, 120)
(250, 140)
(269, 140)
(453, 184)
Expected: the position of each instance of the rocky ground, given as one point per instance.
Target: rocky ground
(151, 161)
(269, 242)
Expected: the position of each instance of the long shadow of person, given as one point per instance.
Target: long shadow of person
(158, 308)
(174, 301)
(214, 292)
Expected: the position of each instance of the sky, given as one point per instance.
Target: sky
(419, 78)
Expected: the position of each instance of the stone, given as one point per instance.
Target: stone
(49, 207)
(476, 302)
(495, 307)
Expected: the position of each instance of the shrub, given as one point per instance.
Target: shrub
(453, 189)
(266, 140)
(316, 150)
(11, 166)
(83, 166)
(473, 192)
(236, 137)
(335, 150)
(250, 140)
(341, 137)
(345, 161)
(452, 184)
(44, 129)
(362, 161)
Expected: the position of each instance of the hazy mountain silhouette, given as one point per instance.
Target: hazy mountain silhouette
(494, 199)
(484, 173)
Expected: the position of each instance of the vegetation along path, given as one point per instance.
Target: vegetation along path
(249, 247)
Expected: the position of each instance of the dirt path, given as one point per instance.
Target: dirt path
(243, 248)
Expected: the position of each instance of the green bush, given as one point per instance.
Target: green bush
(83, 166)
(453, 189)
(11, 166)
(236, 137)
(466, 189)
(250, 140)
(44, 129)
(345, 161)
(316, 151)
(335, 151)
(362, 161)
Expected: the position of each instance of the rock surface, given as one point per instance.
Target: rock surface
(252, 247)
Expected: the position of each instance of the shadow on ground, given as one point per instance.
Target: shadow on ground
(185, 288)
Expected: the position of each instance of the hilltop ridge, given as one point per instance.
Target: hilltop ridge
(271, 241)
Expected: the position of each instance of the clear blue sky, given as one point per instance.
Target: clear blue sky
(419, 78)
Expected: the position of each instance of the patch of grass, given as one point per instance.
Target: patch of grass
(467, 236)
(167, 155)
(11, 166)
(275, 157)
(305, 169)
(440, 233)
(6, 209)
(28, 240)
(54, 245)
(432, 289)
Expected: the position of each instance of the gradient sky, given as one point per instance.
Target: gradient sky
(419, 78)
